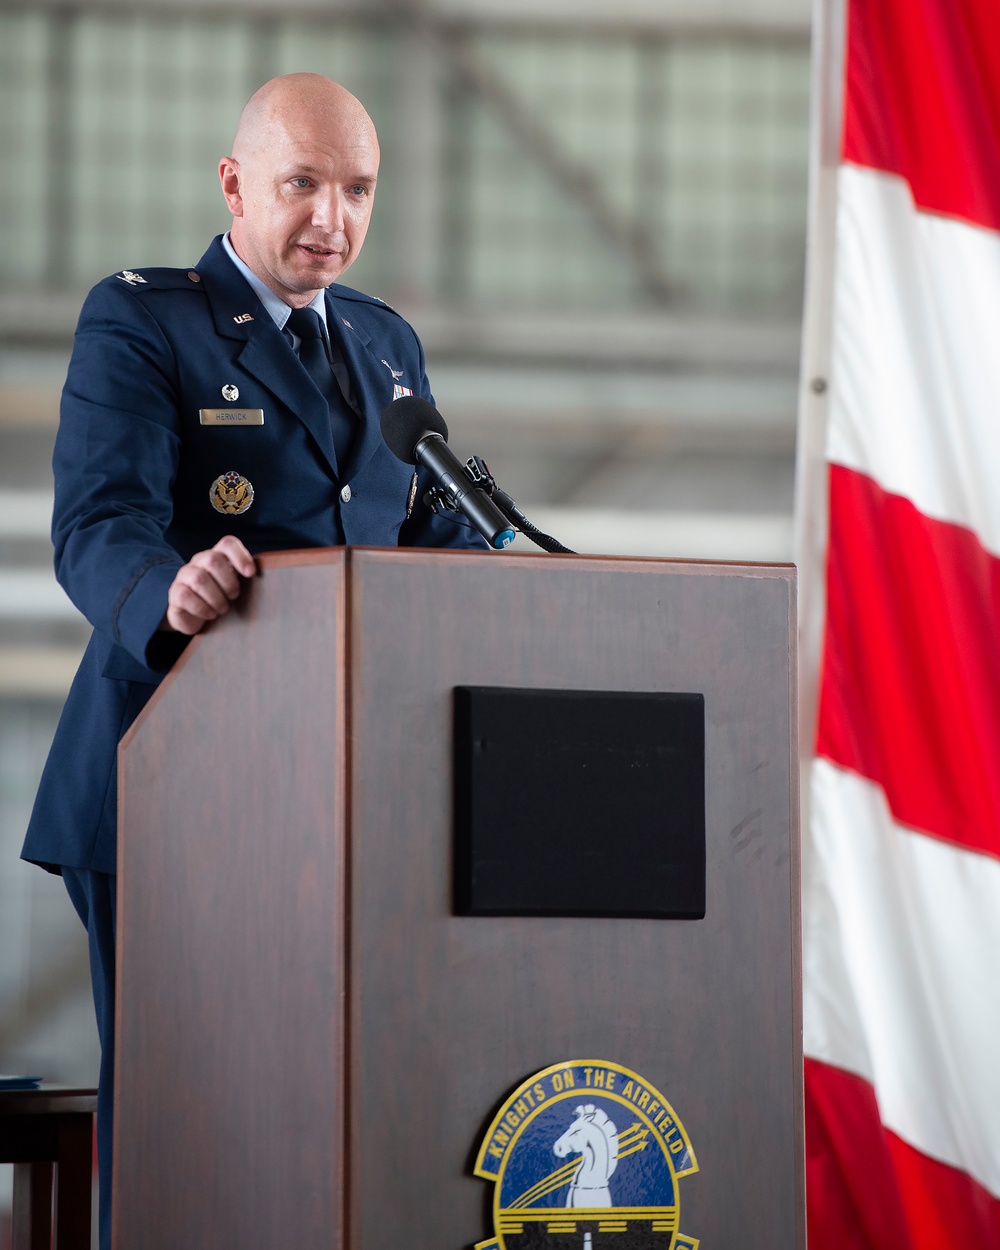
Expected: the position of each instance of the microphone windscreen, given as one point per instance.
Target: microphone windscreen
(405, 421)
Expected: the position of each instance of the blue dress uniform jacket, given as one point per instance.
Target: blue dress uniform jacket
(135, 468)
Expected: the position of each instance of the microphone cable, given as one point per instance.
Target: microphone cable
(479, 471)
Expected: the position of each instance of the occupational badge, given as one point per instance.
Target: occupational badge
(396, 373)
(581, 1150)
(231, 493)
(230, 392)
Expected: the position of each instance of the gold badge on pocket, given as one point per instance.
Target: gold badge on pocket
(231, 493)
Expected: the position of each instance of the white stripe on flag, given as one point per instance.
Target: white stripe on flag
(902, 951)
(915, 398)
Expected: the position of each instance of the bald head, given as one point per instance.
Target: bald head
(300, 183)
(294, 101)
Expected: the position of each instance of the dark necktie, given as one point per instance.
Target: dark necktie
(306, 325)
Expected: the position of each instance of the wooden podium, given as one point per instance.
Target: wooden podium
(311, 1043)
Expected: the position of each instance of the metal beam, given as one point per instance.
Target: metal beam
(772, 19)
(37, 672)
(539, 141)
(829, 54)
(605, 337)
(681, 535)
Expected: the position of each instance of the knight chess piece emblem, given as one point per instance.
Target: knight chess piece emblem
(230, 392)
(624, 1149)
(231, 493)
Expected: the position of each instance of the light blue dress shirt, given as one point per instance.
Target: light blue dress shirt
(277, 309)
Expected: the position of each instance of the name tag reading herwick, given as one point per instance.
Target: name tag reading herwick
(231, 416)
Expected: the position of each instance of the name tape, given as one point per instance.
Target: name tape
(231, 416)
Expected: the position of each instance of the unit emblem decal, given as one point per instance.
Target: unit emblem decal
(586, 1155)
(231, 493)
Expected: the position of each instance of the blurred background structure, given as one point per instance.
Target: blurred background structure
(593, 211)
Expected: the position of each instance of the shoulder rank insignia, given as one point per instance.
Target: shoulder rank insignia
(231, 493)
(131, 278)
(586, 1148)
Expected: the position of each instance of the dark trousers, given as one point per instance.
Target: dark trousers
(93, 895)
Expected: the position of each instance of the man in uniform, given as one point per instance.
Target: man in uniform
(209, 414)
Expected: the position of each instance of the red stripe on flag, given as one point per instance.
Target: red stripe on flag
(910, 687)
(923, 100)
(851, 1194)
(868, 1190)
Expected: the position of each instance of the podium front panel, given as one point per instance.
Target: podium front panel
(449, 1013)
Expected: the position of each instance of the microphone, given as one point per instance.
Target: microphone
(416, 433)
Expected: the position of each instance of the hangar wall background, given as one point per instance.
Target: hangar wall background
(593, 212)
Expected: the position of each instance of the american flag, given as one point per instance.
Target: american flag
(899, 541)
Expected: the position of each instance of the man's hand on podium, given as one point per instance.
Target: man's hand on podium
(205, 586)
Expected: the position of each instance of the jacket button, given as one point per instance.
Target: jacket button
(195, 277)
(345, 495)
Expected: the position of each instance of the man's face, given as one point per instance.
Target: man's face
(301, 201)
